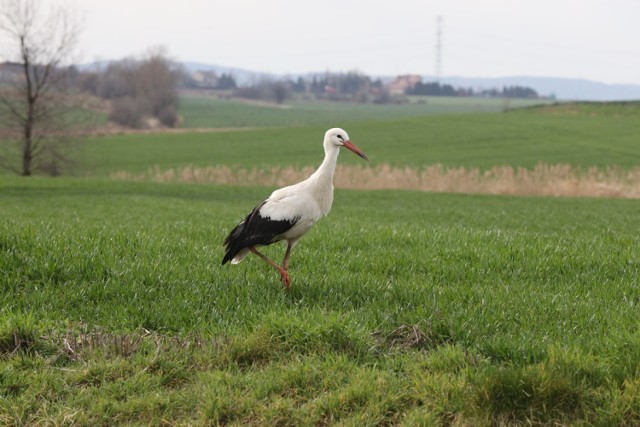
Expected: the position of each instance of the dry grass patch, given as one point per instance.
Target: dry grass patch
(542, 180)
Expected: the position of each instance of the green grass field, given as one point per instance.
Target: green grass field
(518, 138)
(210, 111)
(406, 308)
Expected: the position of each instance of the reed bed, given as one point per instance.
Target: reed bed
(543, 180)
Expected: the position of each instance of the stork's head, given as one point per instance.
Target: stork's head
(337, 137)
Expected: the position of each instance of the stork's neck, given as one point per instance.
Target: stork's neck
(324, 174)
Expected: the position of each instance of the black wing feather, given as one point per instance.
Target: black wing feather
(254, 230)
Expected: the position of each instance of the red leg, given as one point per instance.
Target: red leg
(285, 263)
(287, 254)
(285, 276)
(286, 281)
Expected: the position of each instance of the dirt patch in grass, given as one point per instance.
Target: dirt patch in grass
(543, 180)
(411, 337)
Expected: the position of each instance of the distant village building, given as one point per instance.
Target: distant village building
(205, 79)
(330, 89)
(400, 85)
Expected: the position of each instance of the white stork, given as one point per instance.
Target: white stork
(290, 211)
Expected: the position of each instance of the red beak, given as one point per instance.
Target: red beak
(353, 147)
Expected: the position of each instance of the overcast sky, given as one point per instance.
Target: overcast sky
(592, 39)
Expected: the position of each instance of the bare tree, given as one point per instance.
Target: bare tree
(280, 91)
(142, 88)
(157, 81)
(39, 109)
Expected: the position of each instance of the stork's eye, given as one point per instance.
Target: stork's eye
(340, 138)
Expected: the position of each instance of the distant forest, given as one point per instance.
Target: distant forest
(437, 89)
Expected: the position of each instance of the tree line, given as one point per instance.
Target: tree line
(351, 86)
(357, 87)
(438, 89)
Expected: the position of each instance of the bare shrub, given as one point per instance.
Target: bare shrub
(168, 116)
(129, 112)
(280, 91)
(542, 180)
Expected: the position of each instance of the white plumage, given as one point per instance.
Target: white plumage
(290, 211)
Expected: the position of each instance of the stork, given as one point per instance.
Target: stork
(290, 211)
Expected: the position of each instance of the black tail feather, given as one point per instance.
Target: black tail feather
(232, 243)
(254, 230)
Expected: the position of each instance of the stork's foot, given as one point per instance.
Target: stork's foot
(286, 281)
